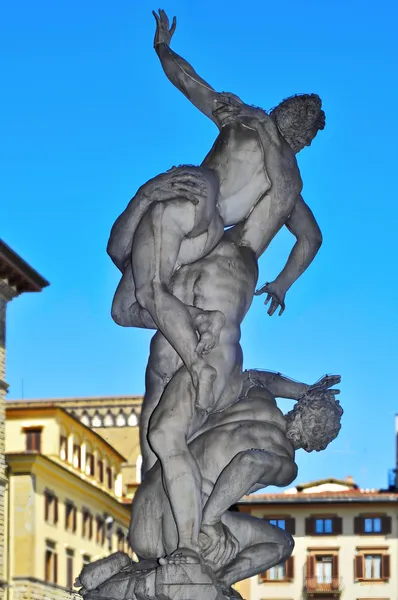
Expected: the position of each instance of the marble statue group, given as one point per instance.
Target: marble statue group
(187, 247)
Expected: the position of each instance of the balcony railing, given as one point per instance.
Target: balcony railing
(314, 586)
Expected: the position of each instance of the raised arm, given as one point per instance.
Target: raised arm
(303, 226)
(179, 71)
(281, 386)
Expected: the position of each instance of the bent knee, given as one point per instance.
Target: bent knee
(148, 294)
(165, 436)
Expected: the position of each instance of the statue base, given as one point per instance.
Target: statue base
(189, 581)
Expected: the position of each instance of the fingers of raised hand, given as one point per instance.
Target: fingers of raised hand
(173, 25)
(155, 14)
(262, 290)
(273, 306)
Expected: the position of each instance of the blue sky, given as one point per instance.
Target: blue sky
(88, 116)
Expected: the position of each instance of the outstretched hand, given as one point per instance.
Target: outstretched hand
(274, 293)
(322, 387)
(164, 33)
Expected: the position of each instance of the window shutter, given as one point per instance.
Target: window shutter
(55, 559)
(309, 526)
(290, 568)
(74, 519)
(337, 525)
(386, 525)
(335, 571)
(55, 510)
(90, 526)
(47, 564)
(310, 566)
(358, 525)
(385, 566)
(358, 567)
(46, 503)
(290, 525)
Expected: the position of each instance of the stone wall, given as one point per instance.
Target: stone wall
(31, 589)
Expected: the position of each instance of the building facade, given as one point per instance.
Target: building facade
(65, 500)
(115, 418)
(16, 277)
(346, 543)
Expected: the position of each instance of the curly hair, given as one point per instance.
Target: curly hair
(299, 118)
(314, 422)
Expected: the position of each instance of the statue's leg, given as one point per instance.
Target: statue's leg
(156, 246)
(148, 535)
(181, 475)
(262, 546)
(163, 363)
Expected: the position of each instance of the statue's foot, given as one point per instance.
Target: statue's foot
(203, 376)
(209, 325)
(182, 556)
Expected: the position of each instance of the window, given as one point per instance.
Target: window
(324, 569)
(109, 478)
(100, 533)
(50, 563)
(50, 508)
(96, 421)
(283, 522)
(132, 420)
(100, 465)
(87, 525)
(109, 420)
(121, 420)
(372, 525)
(69, 568)
(322, 573)
(372, 566)
(63, 447)
(33, 439)
(70, 517)
(323, 525)
(120, 540)
(77, 456)
(282, 572)
(90, 464)
(86, 559)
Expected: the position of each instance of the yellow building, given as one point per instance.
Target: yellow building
(346, 543)
(16, 278)
(116, 419)
(65, 499)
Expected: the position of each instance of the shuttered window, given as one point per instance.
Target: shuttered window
(282, 572)
(317, 525)
(372, 525)
(372, 567)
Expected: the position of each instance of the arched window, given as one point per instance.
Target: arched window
(77, 453)
(138, 469)
(90, 462)
(96, 421)
(121, 420)
(132, 420)
(109, 420)
(63, 444)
